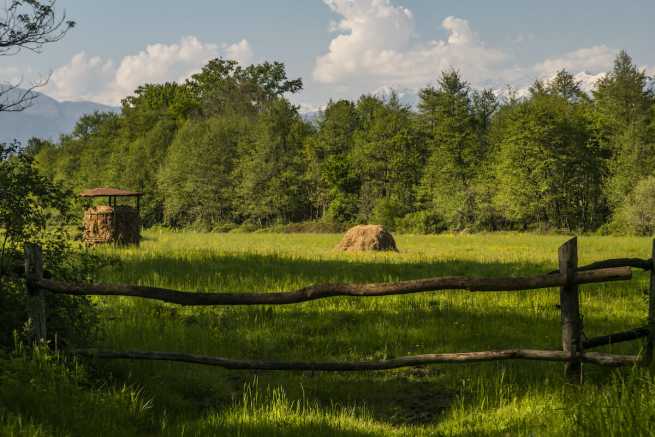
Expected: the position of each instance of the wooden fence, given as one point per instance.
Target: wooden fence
(568, 277)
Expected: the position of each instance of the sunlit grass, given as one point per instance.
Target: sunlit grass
(496, 398)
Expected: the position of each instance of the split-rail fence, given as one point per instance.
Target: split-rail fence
(568, 277)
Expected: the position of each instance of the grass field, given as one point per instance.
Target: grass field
(498, 398)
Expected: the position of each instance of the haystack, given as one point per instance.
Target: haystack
(367, 237)
(105, 224)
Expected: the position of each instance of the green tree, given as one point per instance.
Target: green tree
(549, 168)
(329, 170)
(636, 215)
(270, 168)
(224, 86)
(196, 179)
(624, 125)
(387, 157)
(455, 122)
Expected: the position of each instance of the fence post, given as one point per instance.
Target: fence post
(648, 356)
(35, 298)
(571, 321)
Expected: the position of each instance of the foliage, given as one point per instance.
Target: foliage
(35, 210)
(549, 171)
(269, 174)
(227, 149)
(195, 179)
(27, 201)
(624, 119)
(455, 121)
(637, 212)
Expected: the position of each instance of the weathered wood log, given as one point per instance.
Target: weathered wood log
(570, 309)
(36, 298)
(637, 263)
(650, 341)
(618, 337)
(394, 363)
(333, 290)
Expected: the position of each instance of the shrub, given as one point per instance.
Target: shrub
(422, 222)
(35, 210)
(386, 212)
(637, 213)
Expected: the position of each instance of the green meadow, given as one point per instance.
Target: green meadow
(496, 398)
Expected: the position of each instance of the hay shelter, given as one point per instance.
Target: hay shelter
(367, 237)
(112, 223)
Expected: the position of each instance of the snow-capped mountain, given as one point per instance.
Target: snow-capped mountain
(45, 118)
(406, 96)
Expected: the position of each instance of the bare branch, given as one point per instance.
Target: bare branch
(30, 24)
(14, 98)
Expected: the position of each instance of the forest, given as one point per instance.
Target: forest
(227, 149)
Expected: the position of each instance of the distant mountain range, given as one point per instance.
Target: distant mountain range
(46, 118)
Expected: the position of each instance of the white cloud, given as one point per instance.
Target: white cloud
(591, 60)
(240, 51)
(377, 45)
(94, 78)
(83, 78)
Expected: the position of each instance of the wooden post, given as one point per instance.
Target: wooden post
(648, 356)
(571, 321)
(36, 298)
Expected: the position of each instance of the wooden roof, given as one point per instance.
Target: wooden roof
(114, 192)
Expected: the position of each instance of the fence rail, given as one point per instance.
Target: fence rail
(599, 358)
(567, 278)
(323, 291)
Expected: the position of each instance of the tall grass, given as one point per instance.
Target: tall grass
(488, 398)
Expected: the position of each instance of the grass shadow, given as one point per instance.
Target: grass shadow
(344, 329)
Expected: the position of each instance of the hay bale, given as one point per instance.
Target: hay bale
(104, 224)
(367, 237)
(98, 228)
(127, 226)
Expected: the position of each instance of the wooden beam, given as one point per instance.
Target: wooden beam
(637, 263)
(36, 298)
(570, 309)
(332, 290)
(618, 337)
(394, 363)
(648, 356)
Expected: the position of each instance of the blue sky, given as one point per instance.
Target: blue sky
(341, 48)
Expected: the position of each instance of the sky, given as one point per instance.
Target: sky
(340, 48)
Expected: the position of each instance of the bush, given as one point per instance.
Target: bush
(245, 228)
(422, 222)
(314, 227)
(387, 212)
(223, 227)
(343, 208)
(35, 210)
(72, 320)
(637, 213)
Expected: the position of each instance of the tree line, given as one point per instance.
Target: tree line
(228, 148)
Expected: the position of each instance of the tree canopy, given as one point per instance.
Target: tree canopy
(228, 148)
